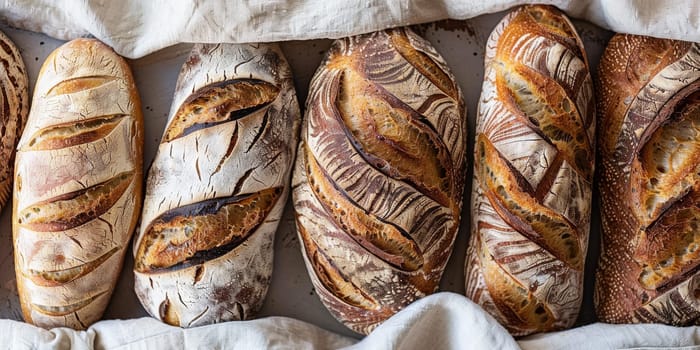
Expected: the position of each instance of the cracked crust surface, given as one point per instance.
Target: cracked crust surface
(217, 187)
(77, 185)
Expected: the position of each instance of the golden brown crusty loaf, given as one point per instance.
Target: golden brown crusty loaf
(533, 169)
(379, 175)
(217, 187)
(649, 106)
(78, 178)
(14, 94)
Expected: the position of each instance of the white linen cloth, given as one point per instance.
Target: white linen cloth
(136, 28)
(440, 321)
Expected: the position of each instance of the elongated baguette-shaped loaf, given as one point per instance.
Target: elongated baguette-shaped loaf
(649, 106)
(533, 169)
(378, 182)
(217, 187)
(78, 182)
(14, 107)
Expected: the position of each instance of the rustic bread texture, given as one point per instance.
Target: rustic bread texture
(533, 169)
(649, 103)
(14, 108)
(217, 187)
(379, 176)
(77, 185)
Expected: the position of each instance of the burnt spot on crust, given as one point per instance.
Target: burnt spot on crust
(220, 103)
(195, 233)
(76, 208)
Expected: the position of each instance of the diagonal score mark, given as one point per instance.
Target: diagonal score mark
(76, 208)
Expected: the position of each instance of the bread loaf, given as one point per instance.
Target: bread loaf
(379, 175)
(217, 187)
(77, 185)
(14, 94)
(533, 169)
(649, 105)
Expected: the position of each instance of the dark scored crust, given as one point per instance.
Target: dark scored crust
(192, 234)
(217, 187)
(218, 103)
(379, 177)
(14, 94)
(650, 181)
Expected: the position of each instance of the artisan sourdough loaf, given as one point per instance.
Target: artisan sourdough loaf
(649, 110)
(533, 168)
(379, 176)
(78, 178)
(14, 108)
(217, 186)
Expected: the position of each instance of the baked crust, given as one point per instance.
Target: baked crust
(217, 187)
(14, 108)
(379, 176)
(533, 169)
(649, 108)
(77, 185)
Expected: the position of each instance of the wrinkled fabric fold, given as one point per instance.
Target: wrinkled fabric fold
(440, 321)
(136, 28)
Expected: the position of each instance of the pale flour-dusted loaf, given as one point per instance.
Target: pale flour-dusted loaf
(379, 176)
(14, 108)
(649, 111)
(217, 187)
(533, 169)
(78, 177)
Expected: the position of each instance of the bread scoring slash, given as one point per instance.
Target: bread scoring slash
(379, 176)
(217, 187)
(14, 95)
(77, 190)
(533, 172)
(649, 110)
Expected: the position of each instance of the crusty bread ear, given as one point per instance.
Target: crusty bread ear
(217, 187)
(649, 109)
(77, 185)
(379, 176)
(533, 169)
(14, 94)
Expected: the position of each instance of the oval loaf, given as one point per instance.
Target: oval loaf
(649, 109)
(78, 186)
(533, 169)
(378, 182)
(14, 108)
(217, 187)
